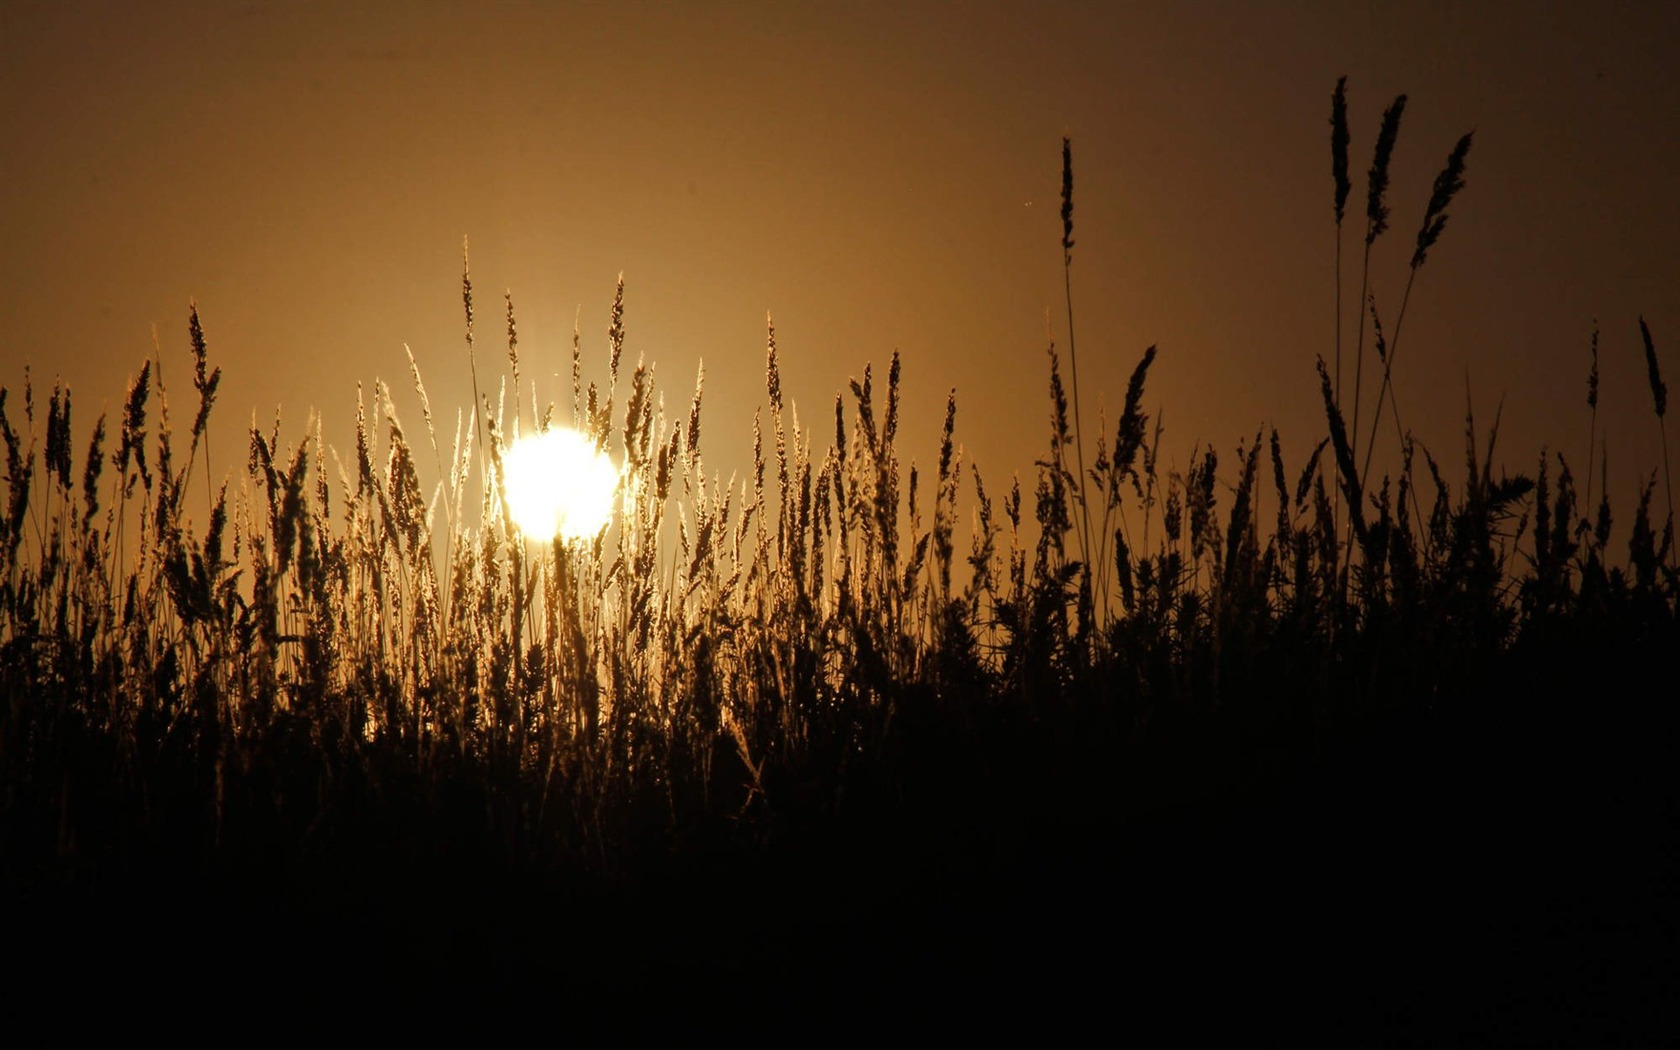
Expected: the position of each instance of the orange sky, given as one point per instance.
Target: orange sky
(877, 176)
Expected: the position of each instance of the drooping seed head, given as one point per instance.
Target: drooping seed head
(1447, 185)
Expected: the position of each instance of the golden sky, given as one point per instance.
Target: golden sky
(876, 176)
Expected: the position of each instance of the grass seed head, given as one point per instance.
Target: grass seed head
(1376, 208)
(1447, 185)
(1339, 146)
(1592, 377)
(1659, 391)
(1067, 201)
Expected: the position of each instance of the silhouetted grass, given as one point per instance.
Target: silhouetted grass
(787, 713)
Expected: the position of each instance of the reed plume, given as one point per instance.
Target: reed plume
(1339, 173)
(1376, 207)
(1447, 185)
(1659, 390)
(205, 382)
(1659, 397)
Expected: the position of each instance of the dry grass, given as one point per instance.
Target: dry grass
(333, 671)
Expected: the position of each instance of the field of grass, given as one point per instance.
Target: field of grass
(1284, 742)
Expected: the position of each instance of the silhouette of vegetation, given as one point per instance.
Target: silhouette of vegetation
(363, 683)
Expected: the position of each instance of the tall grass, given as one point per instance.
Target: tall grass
(315, 658)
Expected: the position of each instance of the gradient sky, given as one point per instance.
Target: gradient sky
(876, 176)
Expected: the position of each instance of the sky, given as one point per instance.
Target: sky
(877, 177)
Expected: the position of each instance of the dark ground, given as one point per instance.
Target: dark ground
(1505, 877)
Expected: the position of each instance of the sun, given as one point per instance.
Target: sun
(559, 485)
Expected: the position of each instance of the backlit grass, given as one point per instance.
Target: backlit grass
(324, 667)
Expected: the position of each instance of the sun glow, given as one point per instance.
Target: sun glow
(559, 485)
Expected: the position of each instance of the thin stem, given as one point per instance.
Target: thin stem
(1358, 382)
(1668, 485)
(1387, 388)
(1078, 428)
(1336, 495)
(1073, 364)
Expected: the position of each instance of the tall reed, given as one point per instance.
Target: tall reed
(1085, 549)
(1659, 399)
(1339, 140)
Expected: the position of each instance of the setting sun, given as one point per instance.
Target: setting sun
(558, 484)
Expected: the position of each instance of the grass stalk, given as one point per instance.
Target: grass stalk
(1086, 597)
(1339, 140)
